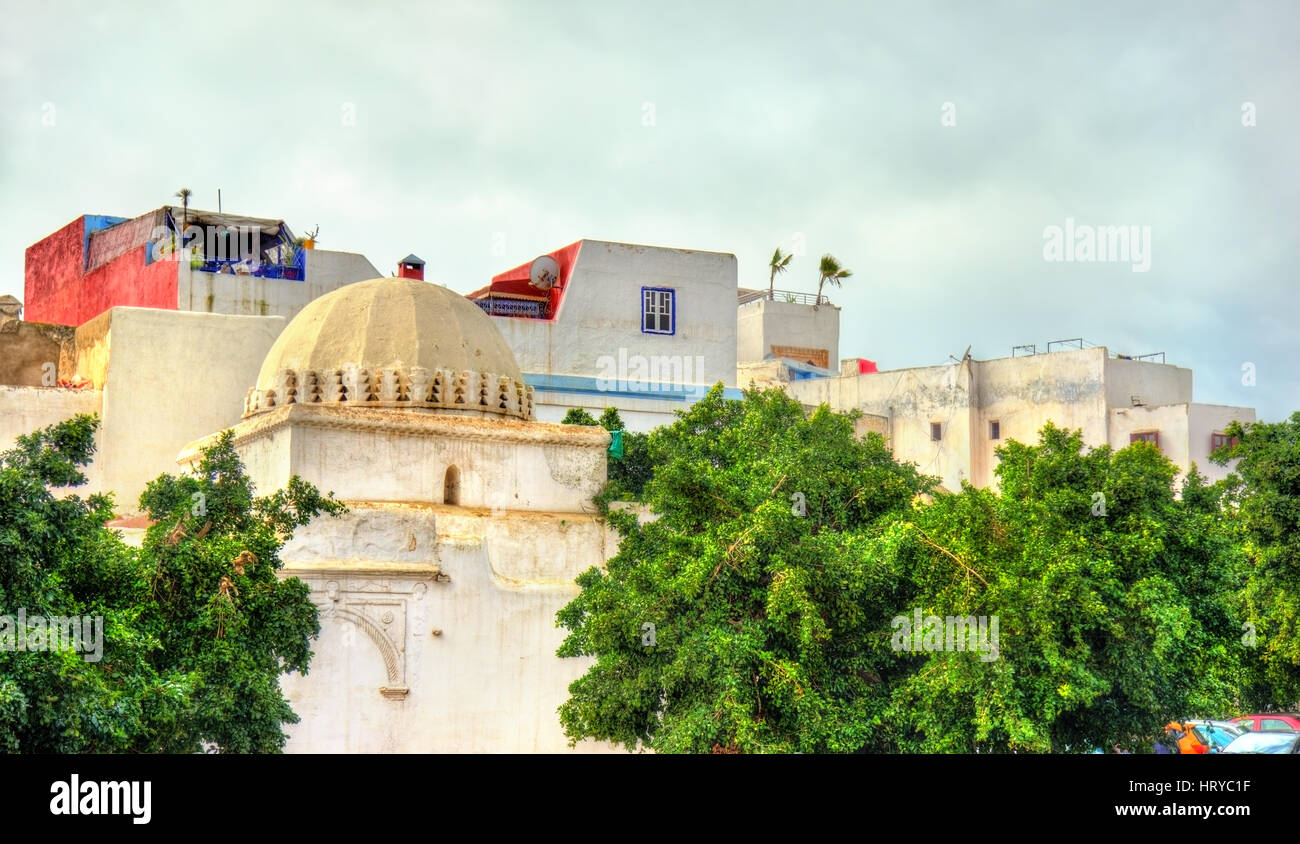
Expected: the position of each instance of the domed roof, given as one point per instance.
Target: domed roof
(392, 342)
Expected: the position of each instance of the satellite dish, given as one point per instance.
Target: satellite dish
(544, 273)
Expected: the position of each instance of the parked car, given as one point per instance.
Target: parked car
(1214, 735)
(1202, 736)
(1265, 742)
(1268, 721)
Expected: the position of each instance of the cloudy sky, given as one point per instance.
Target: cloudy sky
(927, 146)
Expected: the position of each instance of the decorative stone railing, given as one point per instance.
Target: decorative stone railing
(512, 307)
(414, 387)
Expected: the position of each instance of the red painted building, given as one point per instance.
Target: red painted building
(97, 262)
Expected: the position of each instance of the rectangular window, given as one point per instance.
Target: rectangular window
(1218, 441)
(1152, 437)
(936, 431)
(995, 430)
(658, 310)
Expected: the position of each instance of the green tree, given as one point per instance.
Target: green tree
(1263, 503)
(759, 611)
(1112, 595)
(578, 416)
(628, 474)
(746, 617)
(198, 628)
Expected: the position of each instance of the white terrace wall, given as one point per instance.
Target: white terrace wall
(762, 324)
(244, 295)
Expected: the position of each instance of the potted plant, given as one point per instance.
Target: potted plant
(308, 240)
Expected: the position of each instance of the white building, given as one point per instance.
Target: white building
(949, 419)
(642, 328)
(468, 524)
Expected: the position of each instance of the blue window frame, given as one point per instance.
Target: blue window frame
(658, 310)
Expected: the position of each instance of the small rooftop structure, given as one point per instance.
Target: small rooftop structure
(410, 267)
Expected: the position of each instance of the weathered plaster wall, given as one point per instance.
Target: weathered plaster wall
(1205, 420)
(465, 658)
(1068, 388)
(52, 276)
(1023, 394)
(27, 409)
(910, 399)
(764, 374)
(1153, 383)
(1170, 421)
(438, 621)
(127, 281)
(26, 351)
(398, 455)
(92, 349)
(170, 377)
(601, 313)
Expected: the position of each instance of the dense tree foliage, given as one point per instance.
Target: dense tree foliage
(1113, 598)
(197, 627)
(628, 474)
(1264, 502)
(766, 610)
(759, 610)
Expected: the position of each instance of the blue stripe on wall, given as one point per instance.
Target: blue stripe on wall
(587, 386)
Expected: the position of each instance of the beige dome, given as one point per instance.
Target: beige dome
(392, 342)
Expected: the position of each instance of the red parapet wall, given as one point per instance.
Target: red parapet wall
(127, 281)
(56, 290)
(52, 276)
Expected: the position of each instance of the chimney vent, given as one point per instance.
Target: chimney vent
(410, 267)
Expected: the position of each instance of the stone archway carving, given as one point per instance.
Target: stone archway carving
(394, 663)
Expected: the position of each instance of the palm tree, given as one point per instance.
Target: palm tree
(184, 194)
(831, 271)
(778, 264)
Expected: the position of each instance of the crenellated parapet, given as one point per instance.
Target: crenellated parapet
(395, 387)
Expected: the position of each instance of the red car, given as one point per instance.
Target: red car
(1268, 722)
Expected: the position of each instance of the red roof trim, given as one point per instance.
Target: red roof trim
(514, 282)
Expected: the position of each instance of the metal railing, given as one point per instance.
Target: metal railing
(784, 296)
(512, 307)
